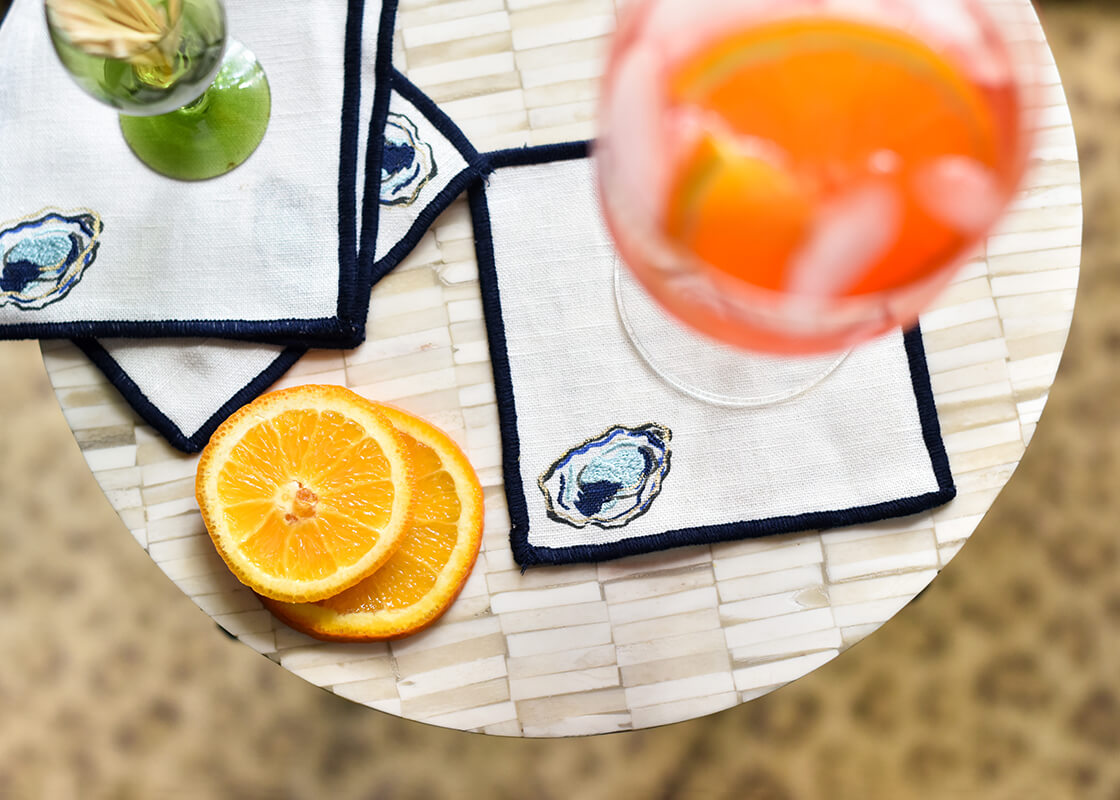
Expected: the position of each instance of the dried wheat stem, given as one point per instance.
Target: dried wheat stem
(140, 9)
(124, 29)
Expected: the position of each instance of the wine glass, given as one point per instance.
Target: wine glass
(194, 104)
(797, 177)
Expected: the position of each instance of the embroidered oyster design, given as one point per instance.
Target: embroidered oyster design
(610, 480)
(407, 162)
(42, 257)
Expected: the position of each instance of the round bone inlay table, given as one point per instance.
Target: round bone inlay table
(651, 639)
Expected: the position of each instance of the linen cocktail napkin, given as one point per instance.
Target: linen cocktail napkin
(605, 458)
(96, 244)
(418, 163)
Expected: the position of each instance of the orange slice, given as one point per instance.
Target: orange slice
(305, 491)
(424, 576)
(843, 104)
(738, 212)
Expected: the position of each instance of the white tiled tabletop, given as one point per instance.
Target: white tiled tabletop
(651, 639)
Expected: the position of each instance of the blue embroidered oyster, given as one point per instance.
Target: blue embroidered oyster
(407, 162)
(610, 480)
(43, 257)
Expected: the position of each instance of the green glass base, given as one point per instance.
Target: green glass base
(212, 135)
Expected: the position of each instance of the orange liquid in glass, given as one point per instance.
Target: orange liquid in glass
(818, 136)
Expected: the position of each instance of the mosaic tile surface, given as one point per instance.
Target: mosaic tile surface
(652, 639)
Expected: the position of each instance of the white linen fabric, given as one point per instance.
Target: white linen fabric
(251, 254)
(449, 164)
(185, 388)
(189, 381)
(577, 403)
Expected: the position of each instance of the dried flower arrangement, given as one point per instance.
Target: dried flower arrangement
(137, 31)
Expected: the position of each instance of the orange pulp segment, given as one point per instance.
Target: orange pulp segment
(305, 491)
(431, 564)
(806, 111)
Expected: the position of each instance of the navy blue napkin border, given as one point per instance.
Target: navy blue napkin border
(151, 413)
(352, 305)
(528, 555)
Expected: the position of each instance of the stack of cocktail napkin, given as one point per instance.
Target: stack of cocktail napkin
(195, 298)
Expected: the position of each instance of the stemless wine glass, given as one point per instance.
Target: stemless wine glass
(194, 104)
(799, 176)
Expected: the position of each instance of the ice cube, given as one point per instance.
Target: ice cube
(849, 234)
(960, 192)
